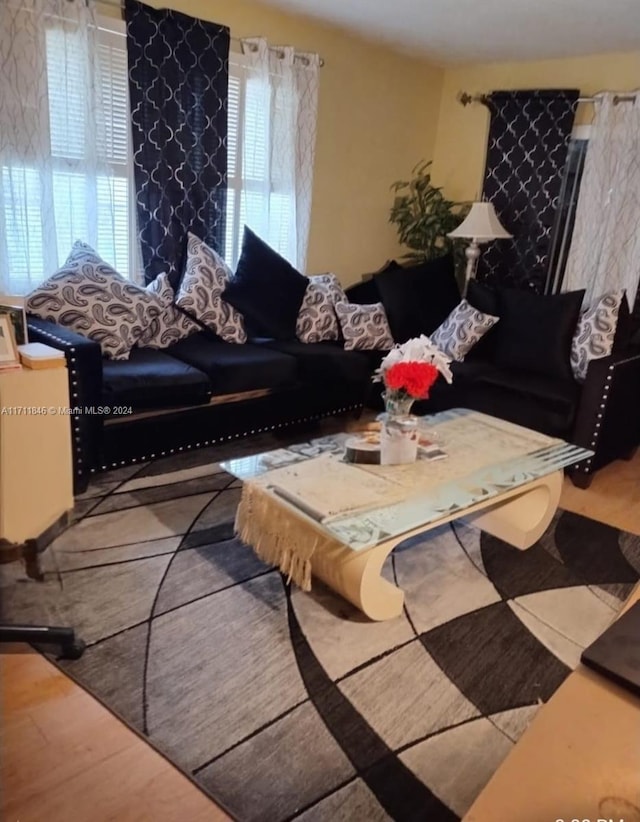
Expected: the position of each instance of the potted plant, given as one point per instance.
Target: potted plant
(424, 217)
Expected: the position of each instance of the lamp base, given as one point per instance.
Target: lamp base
(472, 253)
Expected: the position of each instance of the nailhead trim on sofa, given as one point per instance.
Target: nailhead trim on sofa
(586, 467)
(73, 395)
(214, 441)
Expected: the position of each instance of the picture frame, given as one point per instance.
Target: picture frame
(8, 349)
(14, 308)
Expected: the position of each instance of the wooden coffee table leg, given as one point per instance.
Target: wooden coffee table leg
(356, 575)
(522, 519)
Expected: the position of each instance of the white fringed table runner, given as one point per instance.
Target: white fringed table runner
(269, 516)
(277, 534)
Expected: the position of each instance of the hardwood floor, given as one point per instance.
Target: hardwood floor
(614, 495)
(65, 758)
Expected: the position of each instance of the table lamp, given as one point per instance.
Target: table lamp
(480, 226)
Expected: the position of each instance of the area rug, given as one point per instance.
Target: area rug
(287, 705)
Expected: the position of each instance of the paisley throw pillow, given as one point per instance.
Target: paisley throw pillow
(595, 333)
(88, 296)
(317, 320)
(364, 327)
(170, 326)
(462, 329)
(206, 276)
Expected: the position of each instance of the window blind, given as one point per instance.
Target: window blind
(93, 207)
(258, 195)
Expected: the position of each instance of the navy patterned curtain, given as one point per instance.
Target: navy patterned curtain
(178, 79)
(527, 152)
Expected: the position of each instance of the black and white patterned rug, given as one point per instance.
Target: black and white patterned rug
(284, 705)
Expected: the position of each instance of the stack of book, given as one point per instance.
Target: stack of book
(38, 355)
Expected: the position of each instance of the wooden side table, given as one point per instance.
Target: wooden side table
(580, 759)
(36, 485)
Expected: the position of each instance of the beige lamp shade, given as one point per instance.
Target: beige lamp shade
(481, 224)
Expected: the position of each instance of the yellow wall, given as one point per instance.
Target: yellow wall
(377, 116)
(462, 131)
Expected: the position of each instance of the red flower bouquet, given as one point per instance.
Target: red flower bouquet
(410, 379)
(408, 372)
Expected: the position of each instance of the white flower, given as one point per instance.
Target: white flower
(418, 349)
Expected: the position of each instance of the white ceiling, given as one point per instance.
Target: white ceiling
(451, 31)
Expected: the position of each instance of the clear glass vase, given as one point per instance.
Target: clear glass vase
(399, 433)
(397, 405)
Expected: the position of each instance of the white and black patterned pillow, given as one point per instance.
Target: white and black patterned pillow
(317, 320)
(170, 326)
(364, 327)
(88, 296)
(462, 329)
(595, 332)
(205, 278)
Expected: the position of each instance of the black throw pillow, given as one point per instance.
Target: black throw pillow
(624, 327)
(484, 298)
(535, 331)
(366, 291)
(266, 290)
(418, 298)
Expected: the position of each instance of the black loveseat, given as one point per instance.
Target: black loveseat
(602, 413)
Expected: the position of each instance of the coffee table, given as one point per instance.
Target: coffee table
(307, 510)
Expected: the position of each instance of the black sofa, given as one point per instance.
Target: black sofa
(201, 390)
(198, 392)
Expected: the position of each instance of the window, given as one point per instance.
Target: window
(259, 193)
(95, 207)
(59, 179)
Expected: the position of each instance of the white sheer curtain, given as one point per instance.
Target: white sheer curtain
(605, 250)
(56, 147)
(277, 126)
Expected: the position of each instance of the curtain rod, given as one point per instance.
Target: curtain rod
(118, 5)
(465, 99)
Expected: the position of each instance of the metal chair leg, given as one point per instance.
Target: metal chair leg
(65, 638)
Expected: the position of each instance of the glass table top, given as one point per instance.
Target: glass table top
(362, 505)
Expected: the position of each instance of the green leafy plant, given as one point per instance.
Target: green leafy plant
(424, 217)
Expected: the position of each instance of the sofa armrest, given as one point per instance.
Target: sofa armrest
(608, 417)
(84, 366)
